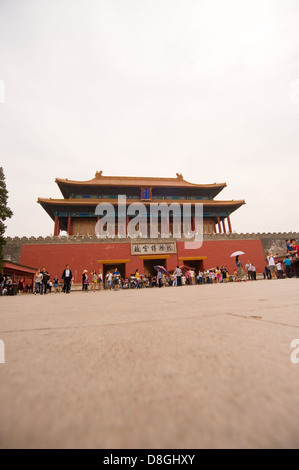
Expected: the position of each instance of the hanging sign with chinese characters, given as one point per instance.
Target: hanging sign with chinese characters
(153, 248)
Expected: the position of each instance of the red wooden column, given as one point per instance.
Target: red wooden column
(223, 226)
(69, 225)
(219, 225)
(229, 225)
(56, 226)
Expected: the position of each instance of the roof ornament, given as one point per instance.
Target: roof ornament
(99, 174)
(179, 176)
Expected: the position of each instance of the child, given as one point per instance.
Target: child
(55, 284)
(289, 245)
(21, 286)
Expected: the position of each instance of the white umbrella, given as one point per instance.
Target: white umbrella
(237, 253)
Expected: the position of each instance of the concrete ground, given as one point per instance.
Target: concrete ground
(186, 367)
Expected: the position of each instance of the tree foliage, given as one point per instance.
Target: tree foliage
(5, 213)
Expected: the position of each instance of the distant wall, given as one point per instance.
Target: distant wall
(276, 242)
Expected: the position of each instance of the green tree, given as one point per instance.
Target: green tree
(5, 213)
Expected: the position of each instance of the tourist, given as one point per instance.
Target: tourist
(253, 272)
(178, 274)
(289, 246)
(109, 280)
(94, 280)
(218, 275)
(116, 278)
(137, 276)
(272, 265)
(100, 280)
(279, 270)
(150, 279)
(188, 277)
(67, 278)
(248, 267)
(200, 278)
(44, 283)
(240, 272)
(154, 281)
(267, 273)
(85, 281)
(37, 282)
(2, 284)
(173, 279)
(3, 290)
(288, 263)
(223, 274)
(21, 286)
(295, 249)
(159, 278)
(55, 284)
(295, 257)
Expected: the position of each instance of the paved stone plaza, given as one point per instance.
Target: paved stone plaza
(190, 367)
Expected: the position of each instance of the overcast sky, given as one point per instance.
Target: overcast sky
(209, 89)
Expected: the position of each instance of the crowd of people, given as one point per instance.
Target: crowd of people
(112, 280)
(279, 267)
(178, 277)
(21, 287)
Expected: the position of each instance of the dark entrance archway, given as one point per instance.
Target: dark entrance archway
(196, 264)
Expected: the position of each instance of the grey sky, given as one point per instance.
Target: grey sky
(209, 89)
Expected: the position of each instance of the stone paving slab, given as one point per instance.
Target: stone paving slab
(188, 367)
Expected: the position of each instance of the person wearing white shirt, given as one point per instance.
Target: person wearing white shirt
(271, 265)
(178, 274)
(279, 270)
(248, 267)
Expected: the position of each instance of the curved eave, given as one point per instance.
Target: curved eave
(50, 204)
(67, 186)
(88, 202)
